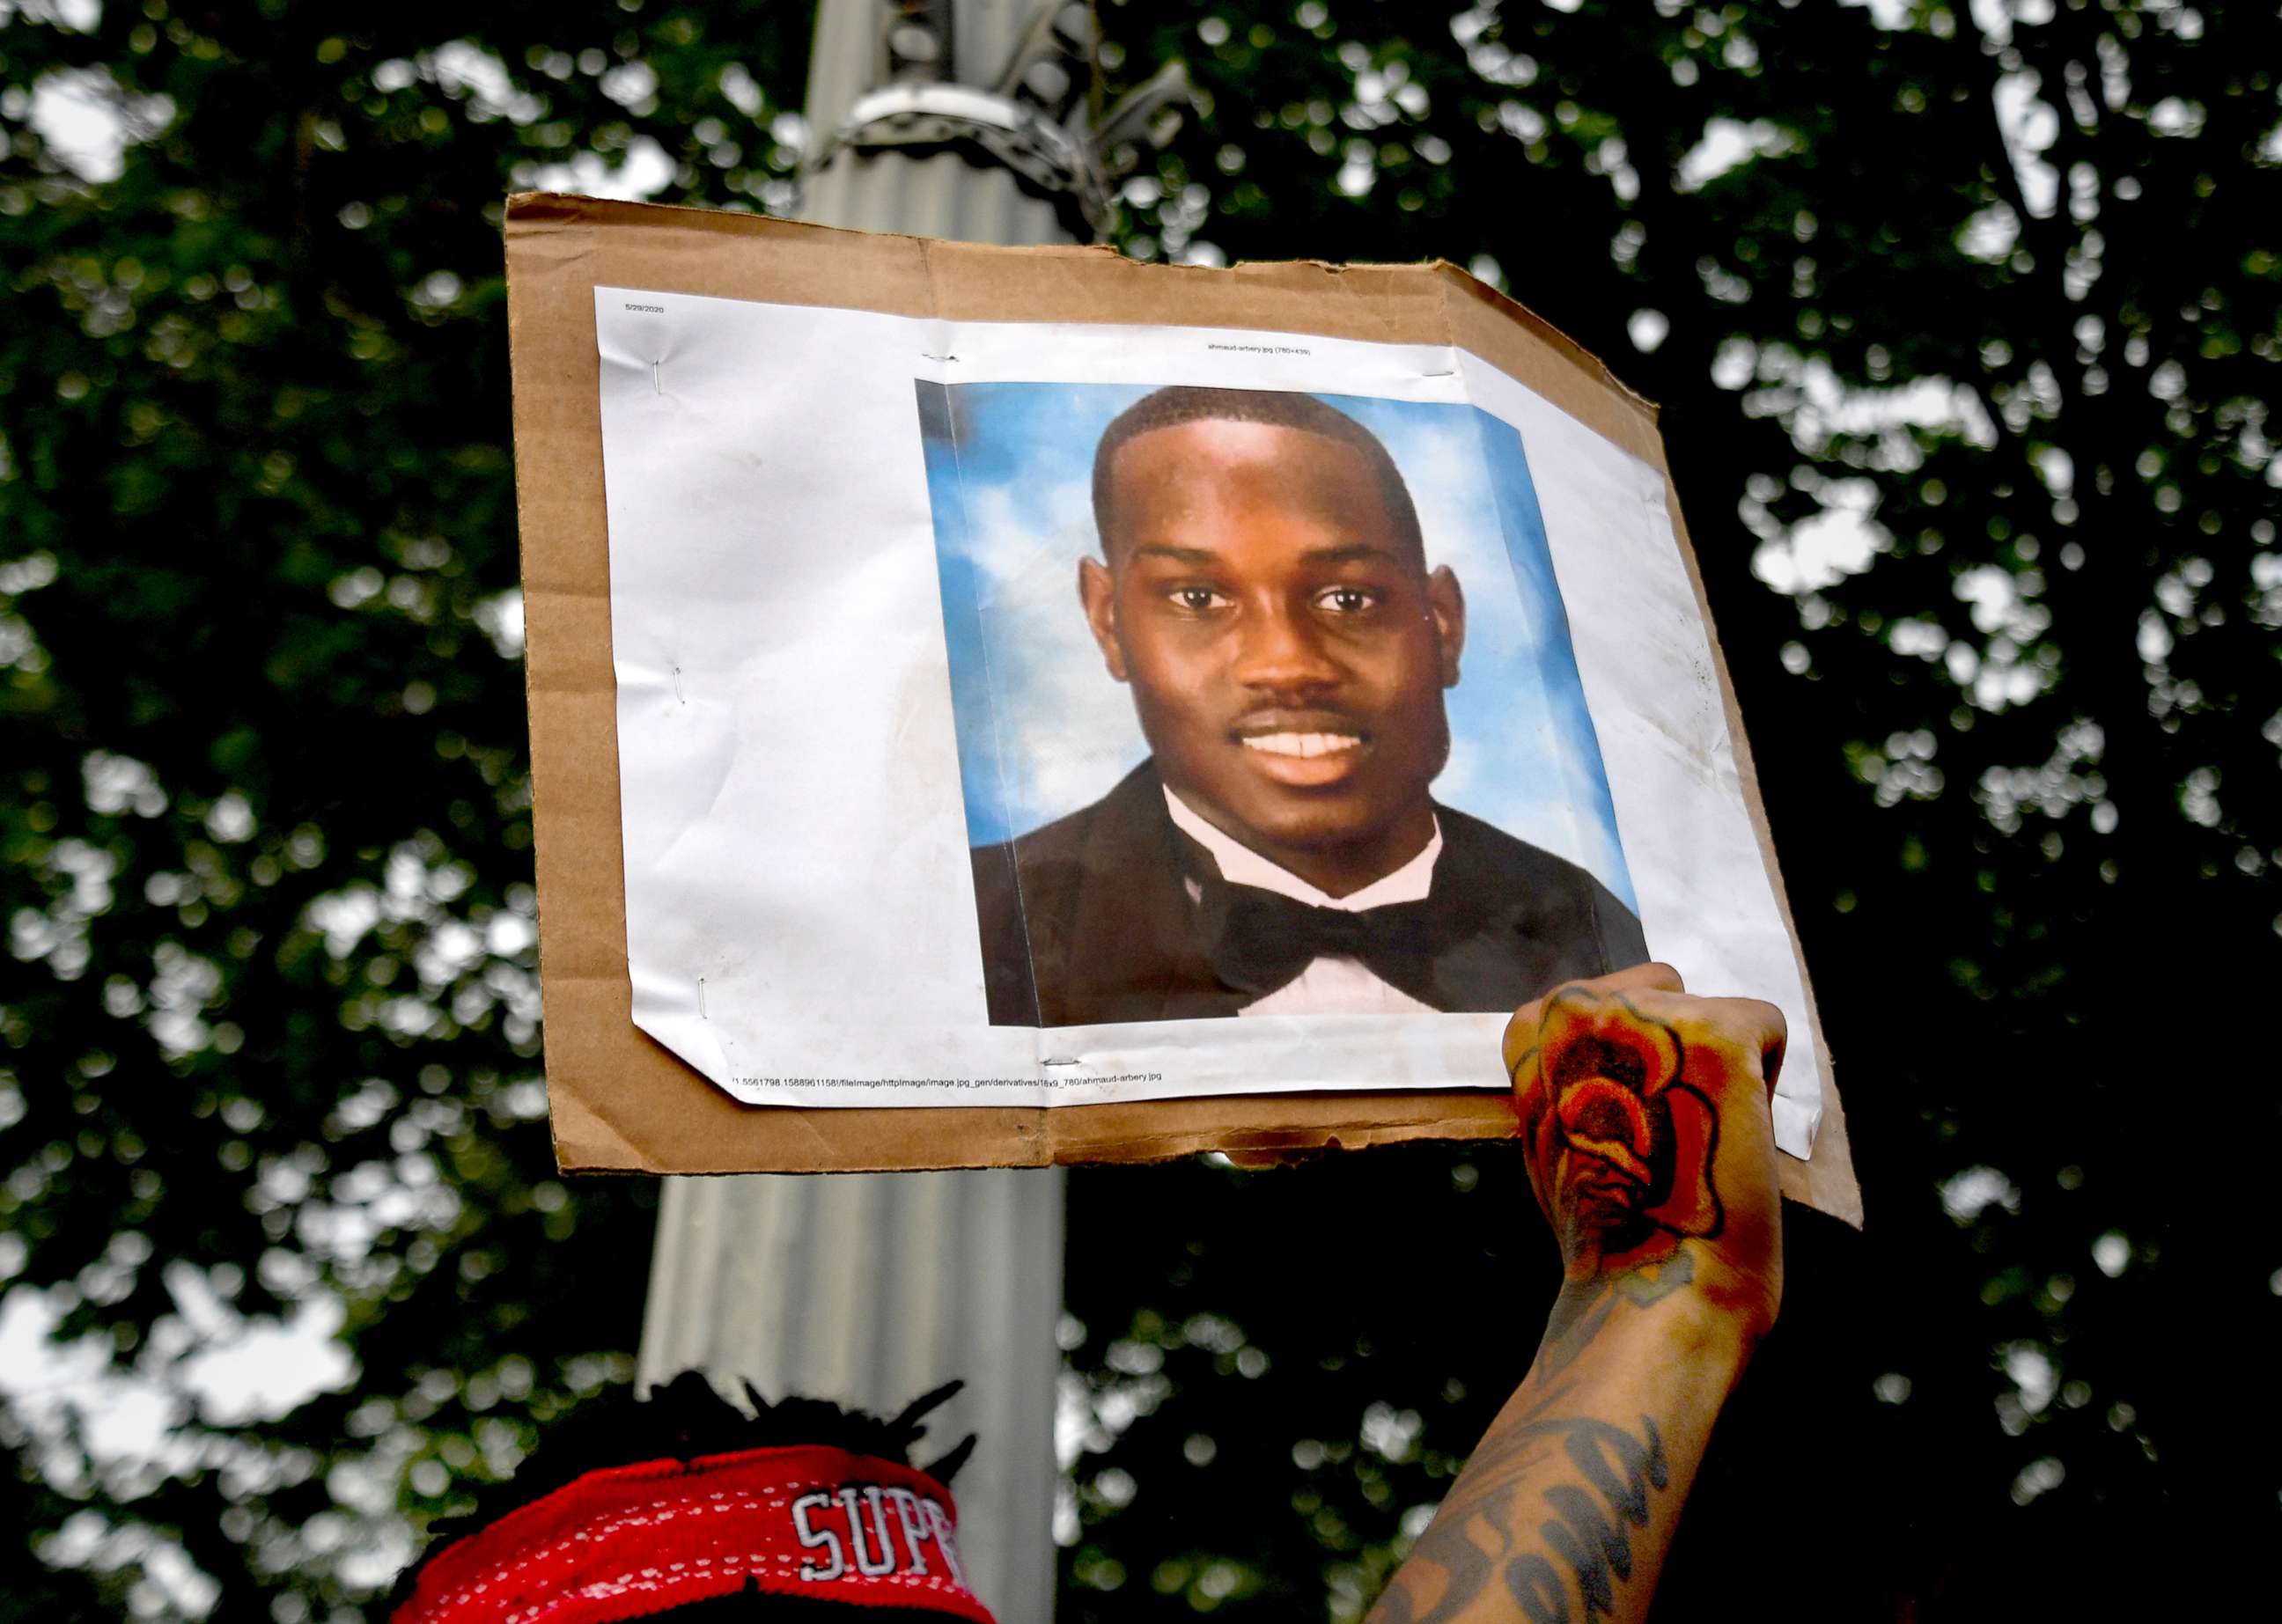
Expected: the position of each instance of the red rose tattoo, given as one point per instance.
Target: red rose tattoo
(1621, 1148)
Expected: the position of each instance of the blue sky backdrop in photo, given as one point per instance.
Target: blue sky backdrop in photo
(1044, 728)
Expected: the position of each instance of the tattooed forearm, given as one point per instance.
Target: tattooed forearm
(1591, 1533)
(1582, 1547)
(1467, 1567)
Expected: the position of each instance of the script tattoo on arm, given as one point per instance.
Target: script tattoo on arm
(1604, 1492)
(1595, 1544)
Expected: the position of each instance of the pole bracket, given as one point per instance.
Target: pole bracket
(1038, 119)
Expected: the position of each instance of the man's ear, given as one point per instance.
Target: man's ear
(1447, 605)
(1097, 595)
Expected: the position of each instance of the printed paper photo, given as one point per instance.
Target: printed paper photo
(1266, 706)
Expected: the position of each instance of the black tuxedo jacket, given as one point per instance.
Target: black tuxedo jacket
(1088, 920)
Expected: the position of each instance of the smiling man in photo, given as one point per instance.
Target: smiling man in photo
(1264, 591)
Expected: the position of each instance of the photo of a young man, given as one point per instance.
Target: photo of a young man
(1263, 592)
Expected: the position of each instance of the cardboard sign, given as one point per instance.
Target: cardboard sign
(995, 708)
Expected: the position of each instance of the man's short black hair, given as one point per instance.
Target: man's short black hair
(1181, 403)
(684, 1419)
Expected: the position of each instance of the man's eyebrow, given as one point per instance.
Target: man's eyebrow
(1178, 555)
(1352, 553)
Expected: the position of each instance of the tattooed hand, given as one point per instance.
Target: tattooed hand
(1645, 1119)
(1645, 1116)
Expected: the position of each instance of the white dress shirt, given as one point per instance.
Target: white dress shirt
(1329, 986)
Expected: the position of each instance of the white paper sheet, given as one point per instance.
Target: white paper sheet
(801, 909)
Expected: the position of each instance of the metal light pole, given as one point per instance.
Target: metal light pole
(974, 119)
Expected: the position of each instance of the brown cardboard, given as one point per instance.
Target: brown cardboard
(620, 1101)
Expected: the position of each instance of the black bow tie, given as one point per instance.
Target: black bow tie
(1259, 941)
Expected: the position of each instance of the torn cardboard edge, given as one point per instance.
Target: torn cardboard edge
(619, 1102)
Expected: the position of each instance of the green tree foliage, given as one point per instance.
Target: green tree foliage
(270, 1038)
(1961, 320)
(1964, 324)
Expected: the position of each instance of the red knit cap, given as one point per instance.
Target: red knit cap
(634, 1541)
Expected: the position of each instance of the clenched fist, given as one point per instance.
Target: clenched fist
(1644, 1112)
